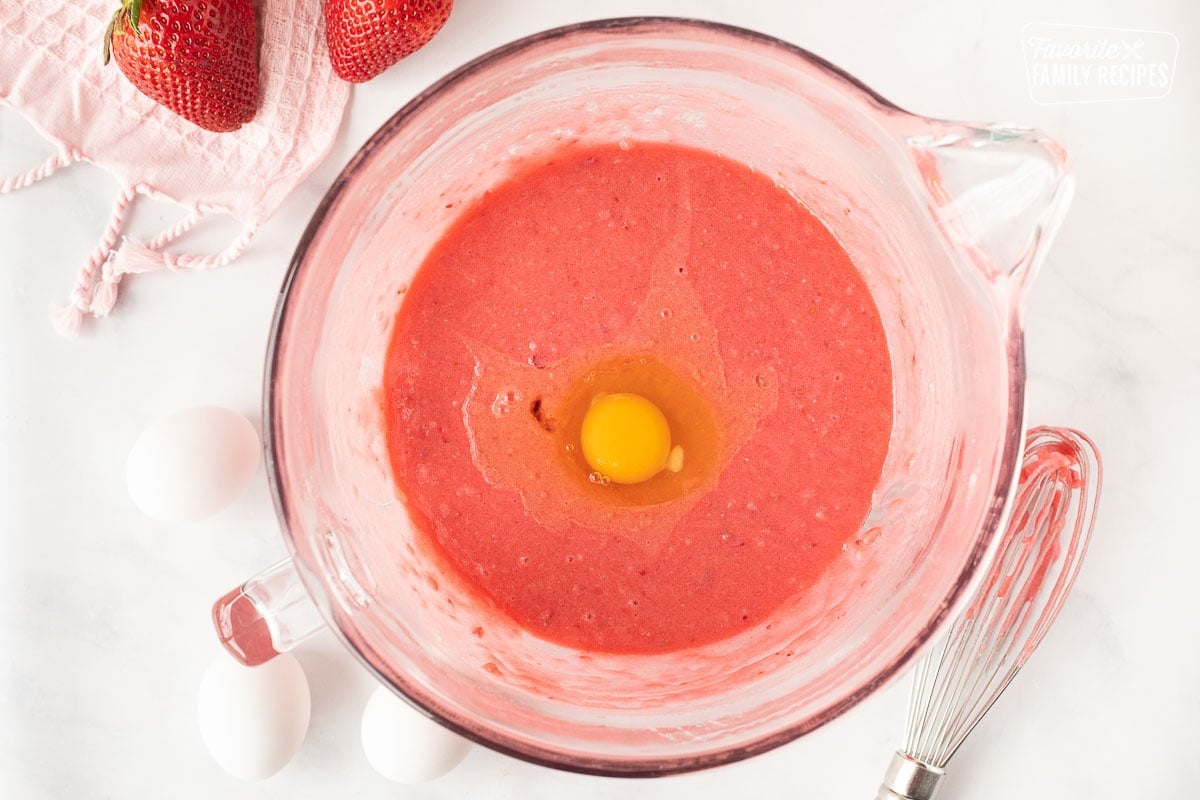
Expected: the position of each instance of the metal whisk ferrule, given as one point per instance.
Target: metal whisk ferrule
(909, 779)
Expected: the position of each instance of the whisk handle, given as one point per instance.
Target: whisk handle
(909, 779)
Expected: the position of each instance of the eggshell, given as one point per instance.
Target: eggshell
(253, 719)
(191, 464)
(404, 745)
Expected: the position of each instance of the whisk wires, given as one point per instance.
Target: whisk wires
(1036, 563)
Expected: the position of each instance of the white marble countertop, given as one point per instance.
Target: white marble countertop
(104, 628)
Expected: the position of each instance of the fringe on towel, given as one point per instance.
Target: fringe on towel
(98, 282)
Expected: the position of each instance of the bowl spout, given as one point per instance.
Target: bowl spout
(998, 193)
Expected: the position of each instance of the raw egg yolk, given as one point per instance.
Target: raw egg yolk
(626, 438)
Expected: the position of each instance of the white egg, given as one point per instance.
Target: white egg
(253, 719)
(404, 745)
(191, 464)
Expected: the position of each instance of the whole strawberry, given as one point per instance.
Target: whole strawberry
(199, 58)
(367, 36)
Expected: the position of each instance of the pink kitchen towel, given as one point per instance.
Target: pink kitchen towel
(51, 72)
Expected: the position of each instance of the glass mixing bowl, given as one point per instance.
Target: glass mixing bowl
(947, 223)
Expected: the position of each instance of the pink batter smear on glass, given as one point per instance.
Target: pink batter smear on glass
(603, 261)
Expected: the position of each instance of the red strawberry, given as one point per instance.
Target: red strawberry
(199, 58)
(367, 36)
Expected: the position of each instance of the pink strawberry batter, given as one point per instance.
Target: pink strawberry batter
(556, 261)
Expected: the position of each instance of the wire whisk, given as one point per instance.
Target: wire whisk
(1022, 592)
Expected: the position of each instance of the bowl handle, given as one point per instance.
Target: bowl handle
(267, 615)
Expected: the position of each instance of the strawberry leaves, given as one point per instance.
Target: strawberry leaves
(129, 12)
